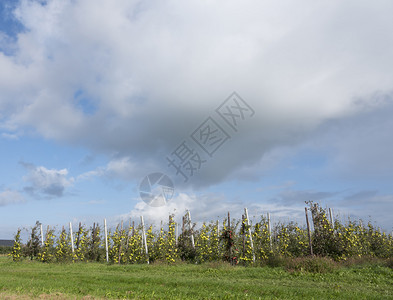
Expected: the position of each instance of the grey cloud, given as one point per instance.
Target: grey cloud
(299, 197)
(87, 160)
(368, 206)
(361, 145)
(45, 182)
(360, 198)
(154, 72)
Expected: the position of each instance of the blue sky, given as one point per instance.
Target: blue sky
(95, 95)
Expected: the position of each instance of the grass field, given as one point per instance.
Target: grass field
(32, 279)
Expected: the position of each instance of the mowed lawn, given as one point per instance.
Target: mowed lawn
(32, 279)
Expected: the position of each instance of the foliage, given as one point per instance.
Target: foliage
(33, 244)
(247, 254)
(262, 240)
(207, 243)
(311, 264)
(326, 241)
(170, 247)
(47, 253)
(81, 244)
(215, 242)
(350, 240)
(5, 249)
(63, 247)
(116, 251)
(134, 245)
(94, 244)
(186, 250)
(16, 248)
(231, 241)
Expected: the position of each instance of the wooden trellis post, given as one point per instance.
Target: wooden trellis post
(42, 235)
(106, 240)
(249, 232)
(144, 240)
(78, 235)
(331, 217)
(190, 227)
(243, 235)
(176, 232)
(72, 239)
(230, 246)
(269, 228)
(121, 241)
(128, 235)
(309, 231)
(218, 236)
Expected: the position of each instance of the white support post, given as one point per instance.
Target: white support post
(249, 232)
(270, 231)
(144, 239)
(177, 232)
(106, 240)
(331, 217)
(72, 239)
(218, 236)
(190, 227)
(308, 232)
(42, 236)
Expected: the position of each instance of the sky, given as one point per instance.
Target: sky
(257, 104)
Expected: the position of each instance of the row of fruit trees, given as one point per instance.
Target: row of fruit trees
(236, 241)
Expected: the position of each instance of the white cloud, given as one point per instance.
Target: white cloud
(206, 208)
(48, 182)
(150, 72)
(11, 197)
(9, 136)
(91, 174)
(290, 207)
(118, 168)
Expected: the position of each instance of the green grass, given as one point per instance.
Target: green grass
(32, 279)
